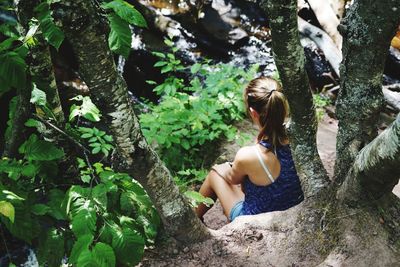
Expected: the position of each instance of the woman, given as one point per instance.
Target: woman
(262, 177)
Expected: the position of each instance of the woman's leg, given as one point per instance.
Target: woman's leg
(214, 187)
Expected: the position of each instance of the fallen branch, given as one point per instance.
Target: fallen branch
(324, 42)
(328, 20)
(392, 98)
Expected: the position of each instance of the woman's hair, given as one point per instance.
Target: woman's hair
(264, 95)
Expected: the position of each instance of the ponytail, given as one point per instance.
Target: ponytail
(264, 95)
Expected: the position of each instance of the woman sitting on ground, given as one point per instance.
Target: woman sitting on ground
(262, 177)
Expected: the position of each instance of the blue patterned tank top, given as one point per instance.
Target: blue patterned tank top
(283, 193)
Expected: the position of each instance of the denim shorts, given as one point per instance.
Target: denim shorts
(236, 210)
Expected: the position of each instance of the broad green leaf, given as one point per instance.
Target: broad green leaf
(9, 29)
(126, 12)
(38, 97)
(7, 43)
(40, 209)
(56, 198)
(7, 209)
(43, 150)
(12, 71)
(103, 255)
(51, 248)
(84, 221)
(86, 259)
(52, 34)
(120, 37)
(128, 245)
(12, 196)
(87, 109)
(82, 244)
(25, 226)
(196, 198)
(195, 68)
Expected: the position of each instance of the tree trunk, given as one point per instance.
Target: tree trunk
(17, 134)
(41, 72)
(367, 29)
(39, 61)
(289, 59)
(376, 168)
(86, 33)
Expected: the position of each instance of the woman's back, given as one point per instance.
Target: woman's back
(281, 193)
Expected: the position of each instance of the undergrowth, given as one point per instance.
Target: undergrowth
(194, 114)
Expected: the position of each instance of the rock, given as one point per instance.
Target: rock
(186, 250)
(175, 251)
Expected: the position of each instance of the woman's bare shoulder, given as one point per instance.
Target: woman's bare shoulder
(245, 154)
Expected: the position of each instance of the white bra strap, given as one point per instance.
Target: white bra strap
(263, 165)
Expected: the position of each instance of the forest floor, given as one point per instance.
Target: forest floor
(237, 245)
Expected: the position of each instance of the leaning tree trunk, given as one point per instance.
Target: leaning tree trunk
(368, 28)
(376, 169)
(289, 59)
(87, 35)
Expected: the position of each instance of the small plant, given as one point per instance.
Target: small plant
(98, 140)
(192, 115)
(320, 102)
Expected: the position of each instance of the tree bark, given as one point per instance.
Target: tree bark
(41, 72)
(86, 33)
(376, 168)
(289, 59)
(367, 30)
(22, 112)
(39, 61)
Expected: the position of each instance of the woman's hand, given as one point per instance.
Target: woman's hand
(222, 169)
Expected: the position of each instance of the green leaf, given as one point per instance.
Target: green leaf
(7, 209)
(38, 97)
(104, 255)
(12, 71)
(52, 34)
(84, 221)
(86, 135)
(32, 123)
(96, 149)
(82, 244)
(40, 209)
(25, 226)
(160, 64)
(195, 68)
(120, 37)
(126, 12)
(128, 245)
(86, 178)
(196, 198)
(87, 109)
(86, 259)
(42, 150)
(7, 43)
(51, 248)
(56, 197)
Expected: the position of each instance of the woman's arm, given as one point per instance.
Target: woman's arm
(233, 173)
